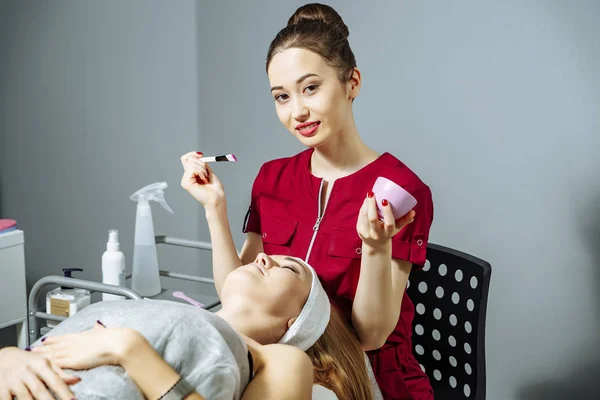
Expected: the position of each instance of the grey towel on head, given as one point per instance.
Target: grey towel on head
(198, 344)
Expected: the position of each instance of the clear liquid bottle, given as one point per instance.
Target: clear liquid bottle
(145, 277)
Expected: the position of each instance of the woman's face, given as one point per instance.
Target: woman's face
(310, 100)
(278, 286)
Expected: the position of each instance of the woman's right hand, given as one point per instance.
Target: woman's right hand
(28, 376)
(200, 181)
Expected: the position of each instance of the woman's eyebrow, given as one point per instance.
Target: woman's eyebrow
(299, 80)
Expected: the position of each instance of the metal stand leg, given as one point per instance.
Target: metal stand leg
(22, 335)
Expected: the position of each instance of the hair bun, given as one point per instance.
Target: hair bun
(315, 12)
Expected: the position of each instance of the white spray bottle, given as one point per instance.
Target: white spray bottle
(113, 265)
(145, 275)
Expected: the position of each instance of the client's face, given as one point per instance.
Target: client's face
(275, 285)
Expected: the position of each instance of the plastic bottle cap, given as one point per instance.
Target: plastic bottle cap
(113, 240)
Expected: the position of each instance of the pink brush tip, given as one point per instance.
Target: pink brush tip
(231, 157)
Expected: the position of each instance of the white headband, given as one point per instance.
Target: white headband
(314, 317)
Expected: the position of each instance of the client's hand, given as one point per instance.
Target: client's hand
(374, 231)
(88, 349)
(200, 181)
(27, 375)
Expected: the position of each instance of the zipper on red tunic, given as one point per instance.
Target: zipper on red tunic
(319, 217)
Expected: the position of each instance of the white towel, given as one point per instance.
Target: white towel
(314, 317)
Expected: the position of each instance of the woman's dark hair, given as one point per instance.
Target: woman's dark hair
(320, 29)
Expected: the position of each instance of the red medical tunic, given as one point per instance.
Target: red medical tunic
(284, 210)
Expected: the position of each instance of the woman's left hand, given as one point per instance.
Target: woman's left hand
(375, 231)
(86, 350)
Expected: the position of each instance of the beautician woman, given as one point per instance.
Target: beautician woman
(318, 205)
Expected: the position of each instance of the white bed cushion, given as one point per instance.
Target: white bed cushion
(321, 393)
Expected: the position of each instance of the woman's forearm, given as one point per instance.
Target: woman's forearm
(376, 309)
(147, 369)
(224, 255)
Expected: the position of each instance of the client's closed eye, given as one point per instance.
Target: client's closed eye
(290, 267)
(295, 266)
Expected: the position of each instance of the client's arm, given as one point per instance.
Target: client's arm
(114, 346)
(26, 375)
(286, 374)
(148, 370)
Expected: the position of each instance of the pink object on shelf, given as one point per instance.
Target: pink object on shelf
(6, 224)
(400, 200)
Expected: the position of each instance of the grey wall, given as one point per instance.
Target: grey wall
(496, 106)
(97, 99)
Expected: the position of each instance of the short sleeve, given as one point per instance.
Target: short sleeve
(252, 219)
(410, 244)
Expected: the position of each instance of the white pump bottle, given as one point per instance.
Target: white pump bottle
(145, 275)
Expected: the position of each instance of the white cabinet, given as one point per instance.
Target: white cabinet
(13, 289)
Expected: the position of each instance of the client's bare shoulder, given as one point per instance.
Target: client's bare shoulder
(281, 372)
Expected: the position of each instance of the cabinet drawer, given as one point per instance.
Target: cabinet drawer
(13, 296)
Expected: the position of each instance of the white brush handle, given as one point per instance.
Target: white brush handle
(223, 158)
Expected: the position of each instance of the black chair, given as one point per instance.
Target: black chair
(450, 296)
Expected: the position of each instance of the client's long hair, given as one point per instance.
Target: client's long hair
(339, 361)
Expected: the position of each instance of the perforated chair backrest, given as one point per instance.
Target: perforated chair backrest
(450, 297)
